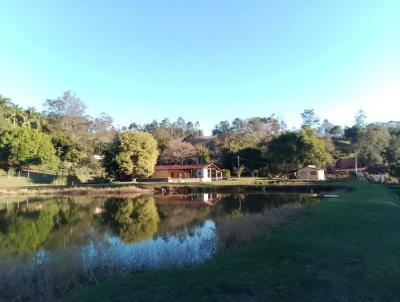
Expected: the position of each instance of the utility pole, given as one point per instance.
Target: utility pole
(355, 161)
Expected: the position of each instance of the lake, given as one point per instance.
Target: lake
(80, 239)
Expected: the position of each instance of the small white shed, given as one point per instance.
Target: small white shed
(311, 172)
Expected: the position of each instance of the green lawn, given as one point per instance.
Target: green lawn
(36, 178)
(234, 181)
(346, 249)
(14, 181)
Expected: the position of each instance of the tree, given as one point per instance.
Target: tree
(131, 154)
(336, 131)
(102, 128)
(360, 119)
(326, 127)
(239, 170)
(252, 158)
(255, 132)
(354, 133)
(178, 152)
(67, 114)
(294, 150)
(222, 128)
(67, 105)
(313, 150)
(165, 131)
(133, 220)
(309, 118)
(22, 146)
(70, 153)
(282, 153)
(393, 150)
(4, 121)
(202, 154)
(373, 144)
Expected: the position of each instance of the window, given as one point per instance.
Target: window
(313, 173)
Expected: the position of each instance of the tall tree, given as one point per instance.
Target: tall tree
(178, 152)
(360, 119)
(131, 154)
(393, 150)
(255, 132)
(336, 131)
(310, 119)
(326, 127)
(22, 146)
(373, 144)
(292, 151)
(4, 107)
(67, 114)
(69, 152)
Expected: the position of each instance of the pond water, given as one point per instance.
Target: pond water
(55, 238)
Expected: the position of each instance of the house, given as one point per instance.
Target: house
(345, 165)
(187, 173)
(311, 172)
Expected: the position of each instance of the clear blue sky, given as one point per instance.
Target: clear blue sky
(205, 60)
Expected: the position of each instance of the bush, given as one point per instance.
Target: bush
(66, 180)
(226, 173)
(394, 170)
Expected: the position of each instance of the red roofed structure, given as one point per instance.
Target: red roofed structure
(187, 173)
(349, 164)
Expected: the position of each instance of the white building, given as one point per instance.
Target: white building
(187, 173)
(311, 173)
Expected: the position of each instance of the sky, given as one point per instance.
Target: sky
(206, 61)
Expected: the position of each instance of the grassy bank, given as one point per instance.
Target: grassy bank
(345, 249)
(79, 190)
(234, 181)
(24, 186)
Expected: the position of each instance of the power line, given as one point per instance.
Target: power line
(253, 161)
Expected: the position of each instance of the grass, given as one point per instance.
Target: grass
(238, 229)
(243, 181)
(43, 183)
(87, 190)
(14, 181)
(344, 249)
(36, 178)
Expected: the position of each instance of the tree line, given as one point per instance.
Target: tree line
(64, 138)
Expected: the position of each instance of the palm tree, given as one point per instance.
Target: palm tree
(15, 113)
(6, 108)
(33, 118)
(4, 102)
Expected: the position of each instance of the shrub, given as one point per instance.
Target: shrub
(226, 173)
(241, 228)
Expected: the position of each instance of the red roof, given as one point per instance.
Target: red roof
(349, 163)
(184, 167)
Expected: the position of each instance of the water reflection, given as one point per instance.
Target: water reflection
(56, 223)
(160, 252)
(133, 220)
(42, 239)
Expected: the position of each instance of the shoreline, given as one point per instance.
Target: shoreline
(333, 242)
(75, 191)
(172, 188)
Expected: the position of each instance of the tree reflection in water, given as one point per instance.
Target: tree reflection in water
(134, 219)
(26, 232)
